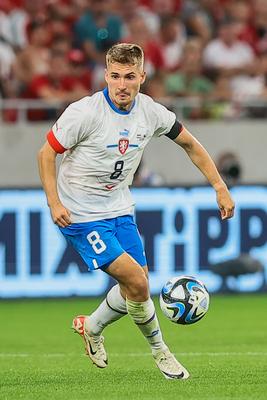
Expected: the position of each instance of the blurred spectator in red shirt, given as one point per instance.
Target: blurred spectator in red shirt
(34, 59)
(80, 75)
(64, 83)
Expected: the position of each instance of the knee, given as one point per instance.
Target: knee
(138, 289)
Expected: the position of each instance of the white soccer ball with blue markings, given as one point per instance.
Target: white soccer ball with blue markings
(184, 300)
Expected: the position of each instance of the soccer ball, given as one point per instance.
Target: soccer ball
(184, 300)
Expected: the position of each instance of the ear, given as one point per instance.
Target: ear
(143, 77)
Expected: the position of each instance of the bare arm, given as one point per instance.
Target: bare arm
(203, 161)
(47, 170)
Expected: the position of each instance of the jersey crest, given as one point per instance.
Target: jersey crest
(123, 145)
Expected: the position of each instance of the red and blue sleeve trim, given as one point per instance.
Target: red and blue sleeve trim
(54, 143)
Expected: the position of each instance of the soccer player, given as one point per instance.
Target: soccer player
(103, 137)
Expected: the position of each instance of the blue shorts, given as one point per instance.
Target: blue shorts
(100, 242)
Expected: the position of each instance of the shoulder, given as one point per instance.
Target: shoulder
(151, 106)
(87, 100)
(83, 113)
(87, 106)
(147, 101)
(156, 114)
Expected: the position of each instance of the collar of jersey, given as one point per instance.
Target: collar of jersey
(112, 105)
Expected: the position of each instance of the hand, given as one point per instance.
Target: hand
(225, 203)
(60, 215)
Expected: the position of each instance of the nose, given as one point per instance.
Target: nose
(122, 84)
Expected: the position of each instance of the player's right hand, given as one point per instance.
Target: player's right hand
(60, 215)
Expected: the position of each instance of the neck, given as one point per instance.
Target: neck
(116, 107)
(125, 107)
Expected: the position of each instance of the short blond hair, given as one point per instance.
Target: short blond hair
(126, 53)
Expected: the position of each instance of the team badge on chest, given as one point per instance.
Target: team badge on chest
(123, 145)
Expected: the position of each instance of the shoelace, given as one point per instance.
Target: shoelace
(168, 362)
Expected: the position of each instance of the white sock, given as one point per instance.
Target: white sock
(110, 310)
(144, 316)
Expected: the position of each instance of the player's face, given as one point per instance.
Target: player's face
(123, 83)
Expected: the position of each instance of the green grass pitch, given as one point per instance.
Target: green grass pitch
(41, 358)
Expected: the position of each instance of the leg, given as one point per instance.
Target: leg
(112, 308)
(125, 239)
(117, 243)
(134, 283)
(90, 327)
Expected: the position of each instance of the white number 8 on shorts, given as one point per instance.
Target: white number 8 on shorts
(97, 244)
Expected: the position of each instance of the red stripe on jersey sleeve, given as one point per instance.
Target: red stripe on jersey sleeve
(54, 143)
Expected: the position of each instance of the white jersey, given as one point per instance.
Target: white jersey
(104, 148)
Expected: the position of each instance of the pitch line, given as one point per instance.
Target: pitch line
(186, 354)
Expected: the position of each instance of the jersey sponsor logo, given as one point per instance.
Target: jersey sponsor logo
(123, 145)
(125, 132)
(141, 135)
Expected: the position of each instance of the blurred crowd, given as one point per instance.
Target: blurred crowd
(211, 52)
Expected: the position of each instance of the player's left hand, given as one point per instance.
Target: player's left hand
(225, 203)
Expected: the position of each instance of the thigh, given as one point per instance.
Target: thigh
(130, 239)
(96, 242)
